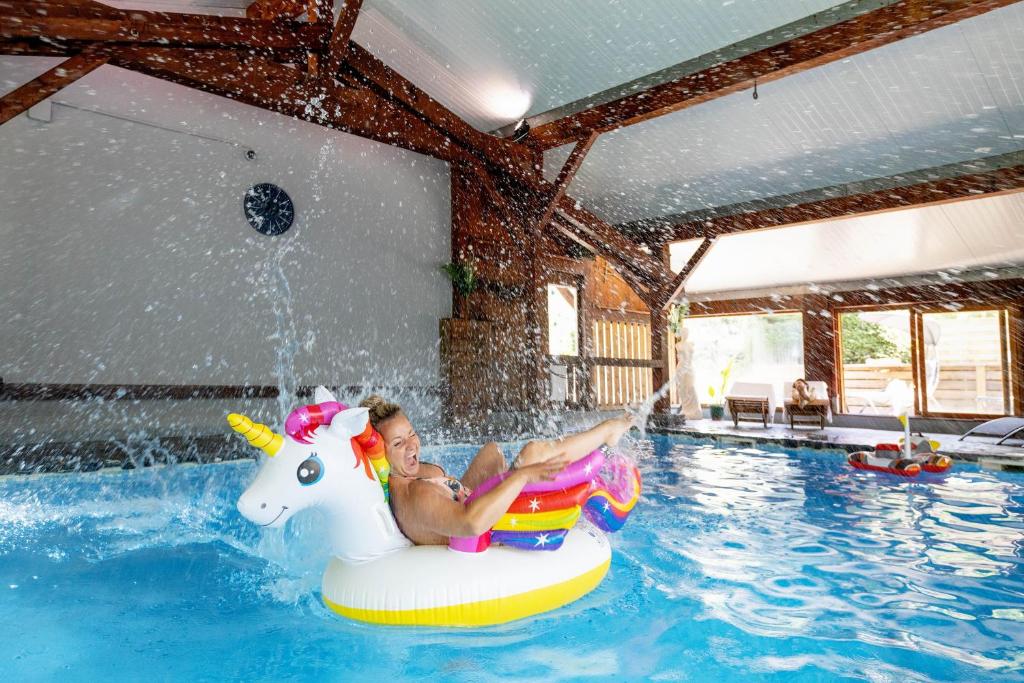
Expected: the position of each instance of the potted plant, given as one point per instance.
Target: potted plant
(718, 395)
(464, 282)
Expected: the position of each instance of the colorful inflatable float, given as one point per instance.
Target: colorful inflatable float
(908, 458)
(332, 458)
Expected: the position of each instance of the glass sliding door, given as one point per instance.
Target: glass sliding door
(964, 362)
(875, 356)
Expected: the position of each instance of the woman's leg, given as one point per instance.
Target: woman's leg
(487, 463)
(576, 446)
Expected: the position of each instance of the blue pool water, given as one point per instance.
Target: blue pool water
(737, 564)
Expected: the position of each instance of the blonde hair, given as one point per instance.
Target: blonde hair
(380, 410)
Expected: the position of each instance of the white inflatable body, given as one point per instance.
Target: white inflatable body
(376, 575)
(432, 585)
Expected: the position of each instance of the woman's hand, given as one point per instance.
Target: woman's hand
(546, 470)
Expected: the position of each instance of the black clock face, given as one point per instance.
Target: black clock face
(268, 209)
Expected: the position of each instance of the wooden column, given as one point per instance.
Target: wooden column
(1016, 342)
(820, 351)
(660, 347)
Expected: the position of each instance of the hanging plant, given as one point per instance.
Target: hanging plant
(463, 276)
(464, 282)
(676, 315)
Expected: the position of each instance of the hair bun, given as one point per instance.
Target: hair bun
(379, 408)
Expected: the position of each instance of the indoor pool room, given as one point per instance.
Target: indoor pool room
(542, 340)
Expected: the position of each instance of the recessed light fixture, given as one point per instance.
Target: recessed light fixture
(520, 132)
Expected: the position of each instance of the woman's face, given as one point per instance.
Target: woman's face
(401, 445)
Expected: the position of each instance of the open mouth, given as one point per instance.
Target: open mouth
(283, 508)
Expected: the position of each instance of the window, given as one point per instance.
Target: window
(758, 348)
(563, 321)
(965, 362)
(875, 355)
(929, 362)
(565, 377)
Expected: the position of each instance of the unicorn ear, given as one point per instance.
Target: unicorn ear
(349, 423)
(322, 395)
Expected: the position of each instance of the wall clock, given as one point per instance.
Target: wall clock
(268, 209)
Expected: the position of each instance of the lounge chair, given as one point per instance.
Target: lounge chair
(751, 402)
(817, 410)
(1007, 431)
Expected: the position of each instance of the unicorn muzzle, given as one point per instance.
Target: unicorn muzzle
(258, 510)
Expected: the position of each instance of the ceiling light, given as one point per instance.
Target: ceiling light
(506, 102)
(520, 132)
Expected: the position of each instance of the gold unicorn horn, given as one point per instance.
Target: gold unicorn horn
(260, 436)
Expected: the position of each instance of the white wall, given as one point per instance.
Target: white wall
(125, 257)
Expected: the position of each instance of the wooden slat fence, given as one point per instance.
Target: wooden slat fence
(975, 388)
(620, 364)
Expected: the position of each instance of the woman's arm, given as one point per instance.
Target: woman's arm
(449, 518)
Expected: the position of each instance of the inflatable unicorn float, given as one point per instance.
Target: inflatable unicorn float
(330, 457)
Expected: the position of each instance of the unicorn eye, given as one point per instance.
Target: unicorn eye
(310, 471)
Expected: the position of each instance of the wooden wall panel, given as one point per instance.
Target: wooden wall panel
(611, 291)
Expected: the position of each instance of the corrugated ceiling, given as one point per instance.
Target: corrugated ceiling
(491, 62)
(949, 95)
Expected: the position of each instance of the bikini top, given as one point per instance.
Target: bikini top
(447, 486)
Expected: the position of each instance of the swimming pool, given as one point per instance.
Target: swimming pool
(737, 564)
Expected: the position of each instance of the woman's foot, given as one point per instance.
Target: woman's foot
(618, 426)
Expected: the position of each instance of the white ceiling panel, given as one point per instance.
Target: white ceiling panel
(933, 99)
(955, 236)
(492, 62)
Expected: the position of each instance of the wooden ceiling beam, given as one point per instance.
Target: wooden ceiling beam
(613, 243)
(35, 48)
(266, 84)
(549, 202)
(86, 9)
(640, 285)
(969, 186)
(337, 50)
(504, 155)
(268, 10)
(864, 32)
(57, 78)
(156, 28)
(674, 288)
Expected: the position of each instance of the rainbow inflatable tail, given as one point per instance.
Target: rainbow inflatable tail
(615, 494)
(603, 486)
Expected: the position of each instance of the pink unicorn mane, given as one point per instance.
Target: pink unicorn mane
(302, 422)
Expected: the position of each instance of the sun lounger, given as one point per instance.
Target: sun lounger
(817, 410)
(1006, 431)
(751, 402)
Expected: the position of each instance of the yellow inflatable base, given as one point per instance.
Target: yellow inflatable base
(484, 612)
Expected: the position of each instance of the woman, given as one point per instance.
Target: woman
(429, 505)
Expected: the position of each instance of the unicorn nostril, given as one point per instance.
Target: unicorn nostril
(263, 506)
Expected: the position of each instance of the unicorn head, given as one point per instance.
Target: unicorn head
(323, 468)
